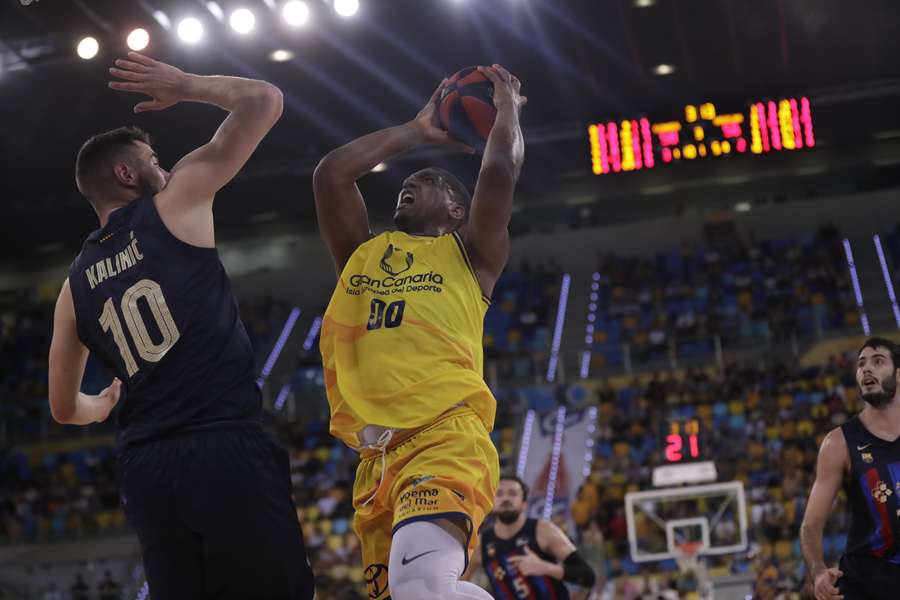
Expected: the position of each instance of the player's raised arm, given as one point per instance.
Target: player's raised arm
(67, 359)
(487, 236)
(833, 462)
(253, 109)
(340, 208)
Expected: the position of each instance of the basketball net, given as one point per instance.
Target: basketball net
(687, 556)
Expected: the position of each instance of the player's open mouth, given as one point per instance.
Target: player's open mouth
(870, 381)
(406, 198)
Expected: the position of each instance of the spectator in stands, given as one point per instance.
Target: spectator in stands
(53, 593)
(591, 548)
(108, 589)
(764, 424)
(80, 590)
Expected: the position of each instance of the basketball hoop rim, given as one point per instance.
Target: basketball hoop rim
(687, 556)
(688, 550)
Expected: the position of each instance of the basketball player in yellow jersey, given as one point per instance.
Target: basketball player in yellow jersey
(402, 347)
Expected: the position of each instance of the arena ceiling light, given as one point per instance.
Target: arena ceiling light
(190, 30)
(346, 8)
(664, 69)
(216, 11)
(281, 55)
(644, 3)
(138, 39)
(88, 48)
(162, 19)
(242, 20)
(295, 13)
(380, 167)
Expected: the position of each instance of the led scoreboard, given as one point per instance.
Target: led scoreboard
(703, 132)
(682, 441)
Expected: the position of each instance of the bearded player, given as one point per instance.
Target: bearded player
(206, 489)
(402, 347)
(526, 558)
(863, 456)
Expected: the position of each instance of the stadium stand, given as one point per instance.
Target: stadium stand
(766, 418)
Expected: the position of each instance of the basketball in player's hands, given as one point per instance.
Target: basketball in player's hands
(466, 107)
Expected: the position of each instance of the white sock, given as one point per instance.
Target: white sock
(426, 564)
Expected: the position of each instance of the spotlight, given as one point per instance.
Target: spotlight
(663, 69)
(162, 19)
(138, 39)
(296, 13)
(242, 20)
(216, 11)
(380, 168)
(281, 55)
(644, 3)
(346, 8)
(190, 30)
(88, 48)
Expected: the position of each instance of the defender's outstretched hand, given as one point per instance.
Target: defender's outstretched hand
(167, 85)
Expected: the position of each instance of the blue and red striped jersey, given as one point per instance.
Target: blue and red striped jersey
(873, 489)
(507, 583)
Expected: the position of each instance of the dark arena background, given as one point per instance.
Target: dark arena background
(705, 230)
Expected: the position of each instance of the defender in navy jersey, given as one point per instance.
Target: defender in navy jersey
(206, 488)
(525, 558)
(863, 456)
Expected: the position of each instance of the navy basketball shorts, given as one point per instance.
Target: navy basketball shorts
(868, 578)
(215, 518)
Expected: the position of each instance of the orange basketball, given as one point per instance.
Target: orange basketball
(466, 108)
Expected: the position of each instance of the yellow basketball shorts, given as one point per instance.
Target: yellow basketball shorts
(448, 469)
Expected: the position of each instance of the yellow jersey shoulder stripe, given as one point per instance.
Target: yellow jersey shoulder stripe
(465, 255)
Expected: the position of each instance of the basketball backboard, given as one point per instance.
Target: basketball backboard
(713, 516)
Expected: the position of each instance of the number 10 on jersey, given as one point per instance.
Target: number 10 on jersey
(147, 349)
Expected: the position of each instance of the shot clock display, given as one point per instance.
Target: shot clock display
(703, 132)
(683, 441)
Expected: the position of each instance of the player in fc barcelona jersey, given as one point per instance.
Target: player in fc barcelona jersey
(402, 347)
(206, 488)
(525, 558)
(863, 456)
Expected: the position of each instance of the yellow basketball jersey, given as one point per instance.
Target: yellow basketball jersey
(402, 336)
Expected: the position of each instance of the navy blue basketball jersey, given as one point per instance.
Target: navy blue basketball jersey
(160, 314)
(506, 582)
(873, 489)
